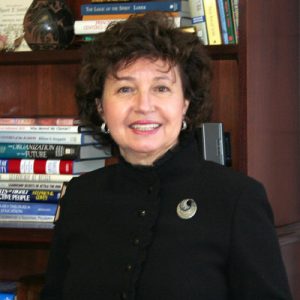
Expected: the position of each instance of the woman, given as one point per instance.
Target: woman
(162, 224)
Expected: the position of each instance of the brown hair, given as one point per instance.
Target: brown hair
(153, 36)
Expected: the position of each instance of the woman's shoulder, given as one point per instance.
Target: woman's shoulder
(217, 174)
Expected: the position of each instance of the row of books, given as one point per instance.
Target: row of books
(38, 156)
(215, 21)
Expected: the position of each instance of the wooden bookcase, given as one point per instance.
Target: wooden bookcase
(256, 95)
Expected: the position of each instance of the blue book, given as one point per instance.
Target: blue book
(223, 22)
(7, 296)
(129, 7)
(27, 212)
(28, 195)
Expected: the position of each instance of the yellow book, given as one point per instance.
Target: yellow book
(212, 22)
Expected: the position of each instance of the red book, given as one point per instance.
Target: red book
(50, 166)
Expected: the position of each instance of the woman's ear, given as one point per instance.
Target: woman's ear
(99, 107)
(186, 106)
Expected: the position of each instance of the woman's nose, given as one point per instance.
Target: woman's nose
(144, 102)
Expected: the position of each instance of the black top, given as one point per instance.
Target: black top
(119, 235)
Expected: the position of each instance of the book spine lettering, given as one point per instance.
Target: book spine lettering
(27, 185)
(212, 22)
(46, 138)
(129, 7)
(229, 22)
(39, 151)
(21, 195)
(36, 177)
(17, 208)
(40, 121)
(198, 19)
(33, 166)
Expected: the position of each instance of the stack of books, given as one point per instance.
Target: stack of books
(38, 156)
(96, 16)
(215, 21)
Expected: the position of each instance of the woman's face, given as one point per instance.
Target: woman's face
(143, 109)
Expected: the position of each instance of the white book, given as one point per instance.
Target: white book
(29, 185)
(198, 19)
(47, 138)
(36, 177)
(86, 27)
(44, 128)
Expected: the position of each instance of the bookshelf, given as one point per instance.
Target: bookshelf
(256, 96)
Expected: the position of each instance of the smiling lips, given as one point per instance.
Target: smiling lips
(144, 127)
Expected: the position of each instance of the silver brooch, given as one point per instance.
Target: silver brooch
(186, 208)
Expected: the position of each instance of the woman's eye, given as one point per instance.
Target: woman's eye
(125, 89)
(162, 89)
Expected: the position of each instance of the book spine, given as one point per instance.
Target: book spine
(46, 138)
(45, 128)
(129, 7)
(229, 22)
(25, 218)
(36, 166)
(48, 186)
(92, 26)
(24, 195)
(19, 208)
(223, 24)
(40, 121)
(36, 177)
(198, 19)
(212, 22)
(39, 151)
(235, 15)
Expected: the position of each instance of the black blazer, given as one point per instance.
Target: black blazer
(119, 235)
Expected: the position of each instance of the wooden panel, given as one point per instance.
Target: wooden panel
(20, 260)
(273, 106)
(226, 102)
(37, 89)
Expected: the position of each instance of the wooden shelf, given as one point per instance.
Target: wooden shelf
(73, 56)
(25, 235)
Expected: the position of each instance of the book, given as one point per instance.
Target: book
(235, 15)
(122, 16)
(26, 195)
(223, 24)
(18, 211)
(229, 22)
(62, 121)
(71, 138)
(46, 128)
(49, 166)
(212, 22)
(53, 151)
(129, 7)
(47, 178)
(7, 296)
(48, 186)
(88, 27)
(198, 19)
(212, 142)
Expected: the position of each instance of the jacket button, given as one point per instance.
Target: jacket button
(142, 213)
(150, 189)
(128, 267)
(136, 241)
